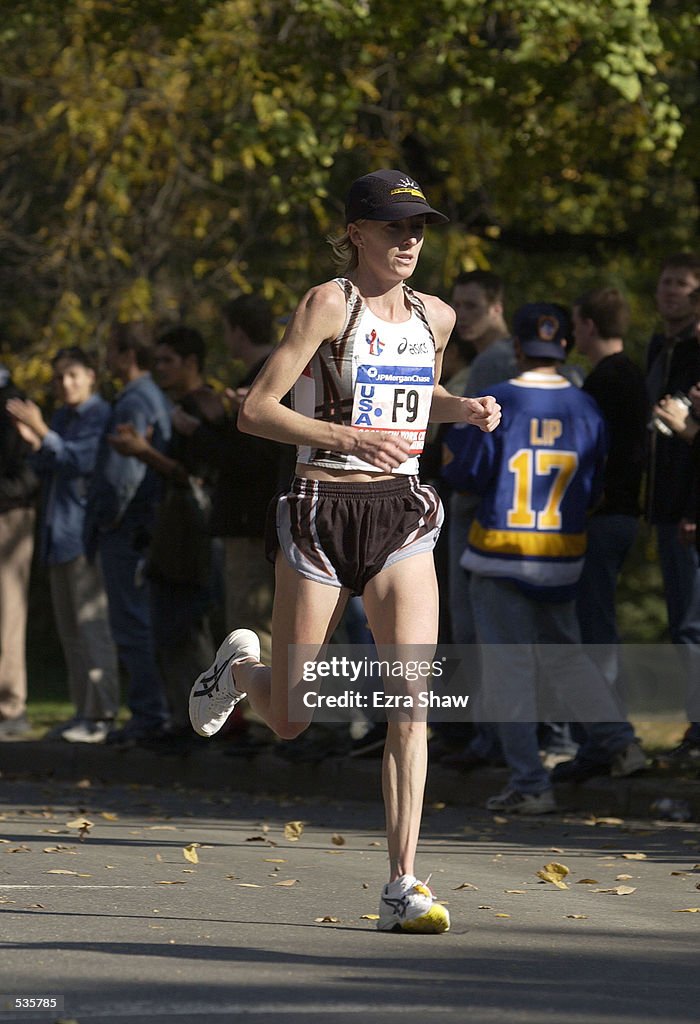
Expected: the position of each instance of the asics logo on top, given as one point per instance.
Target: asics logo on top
(375, 345)
(416, 348)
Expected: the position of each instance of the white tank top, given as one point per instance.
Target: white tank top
(374, 376)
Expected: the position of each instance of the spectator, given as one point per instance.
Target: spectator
(64, 459)
(18, 489)
(120, 511)
(179, 561)
(601, 319)
(478, 301)
(684, 420)
(238, 514)
(537, 477)
(673, 365)
(478, 298)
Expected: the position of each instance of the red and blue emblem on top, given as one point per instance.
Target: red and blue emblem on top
(375, 345)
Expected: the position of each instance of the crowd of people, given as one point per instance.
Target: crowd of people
(180, 502)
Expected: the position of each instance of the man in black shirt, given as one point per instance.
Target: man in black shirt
(251, 471)
(601, 318)
(673, 365)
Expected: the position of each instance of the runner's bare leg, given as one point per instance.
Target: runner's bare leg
(401, 604)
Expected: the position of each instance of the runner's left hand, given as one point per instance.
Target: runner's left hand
(484, 412)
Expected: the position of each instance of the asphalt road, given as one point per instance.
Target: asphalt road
(124, 927)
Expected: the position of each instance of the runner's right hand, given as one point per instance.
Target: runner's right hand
(382, 449)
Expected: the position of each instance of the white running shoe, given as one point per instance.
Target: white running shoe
(408, 905)
(214, 695)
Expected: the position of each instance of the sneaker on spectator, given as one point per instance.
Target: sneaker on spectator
(214, 695)
(629, 761)
(56, 732)
(408, 905)
(87, 731)
(512, 802)
(133, 736)
(14, 728)
(578, 769)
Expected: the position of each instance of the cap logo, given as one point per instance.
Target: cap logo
(407, 186)
(547, 327)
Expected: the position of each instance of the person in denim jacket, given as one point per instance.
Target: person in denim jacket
(64, 458)
(120, 514)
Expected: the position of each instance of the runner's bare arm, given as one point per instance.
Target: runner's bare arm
(484, 412)
(319, 316)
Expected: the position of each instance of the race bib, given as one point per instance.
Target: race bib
(395, 399)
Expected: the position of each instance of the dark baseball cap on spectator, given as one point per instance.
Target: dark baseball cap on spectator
(542, 329)
(388, 195)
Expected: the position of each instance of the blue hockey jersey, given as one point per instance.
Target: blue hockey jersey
(538, 474)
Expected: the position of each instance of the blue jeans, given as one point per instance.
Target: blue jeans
(130, 623)
(523, 640)
(680, 569)
(610, 538)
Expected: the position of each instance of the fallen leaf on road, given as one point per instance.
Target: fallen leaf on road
(109, 816)
(65, 871)
(577, 917)
(466, 885)
(249, 885)
(190, 853)
(588, 881)
(59, 849)
(369, 917)
(274, 860)
(619, 890)
(337, 840)
(623, 878)
(375, 842)
(515, 892)
(688, 910)
(288, 882)
(554, 873)
(634, 856)
(179, 881)
(327, 920)
(83, 826)
(293, 830)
